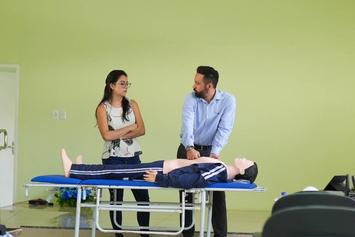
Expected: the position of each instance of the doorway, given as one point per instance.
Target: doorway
(9, 97)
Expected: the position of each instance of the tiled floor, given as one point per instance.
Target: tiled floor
(46, 220)
(45, 232)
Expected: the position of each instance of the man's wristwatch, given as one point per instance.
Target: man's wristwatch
(189, 148)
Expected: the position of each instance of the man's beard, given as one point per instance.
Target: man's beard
(202, 94)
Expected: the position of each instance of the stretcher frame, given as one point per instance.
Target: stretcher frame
(204, 195)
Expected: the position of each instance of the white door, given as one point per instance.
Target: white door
(9, 75)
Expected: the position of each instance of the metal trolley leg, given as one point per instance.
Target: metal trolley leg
(209, 217)
(77, 216)
(202, 213)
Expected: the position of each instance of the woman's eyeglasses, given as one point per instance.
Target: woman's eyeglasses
(124, 83)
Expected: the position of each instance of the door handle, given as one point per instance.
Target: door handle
(4, 146)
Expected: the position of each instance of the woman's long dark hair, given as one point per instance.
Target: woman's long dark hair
(112, 78)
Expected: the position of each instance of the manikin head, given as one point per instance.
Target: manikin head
(247, 169)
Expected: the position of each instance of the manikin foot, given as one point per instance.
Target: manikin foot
(79, 160)
(66, 162)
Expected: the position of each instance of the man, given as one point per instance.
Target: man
(207, 122)
(186, 174)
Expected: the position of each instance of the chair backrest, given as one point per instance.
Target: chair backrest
(312, 198)
(311, 221)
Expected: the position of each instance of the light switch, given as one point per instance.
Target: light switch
(55, 114)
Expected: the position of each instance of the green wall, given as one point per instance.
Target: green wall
(289, 63)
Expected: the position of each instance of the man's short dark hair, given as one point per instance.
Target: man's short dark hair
(209, 73)
(249, 174)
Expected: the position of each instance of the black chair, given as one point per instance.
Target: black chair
(312, 198)
(311, 221)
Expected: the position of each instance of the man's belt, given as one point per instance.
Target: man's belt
(202, 147)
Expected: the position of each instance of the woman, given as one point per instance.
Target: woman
(120, 123)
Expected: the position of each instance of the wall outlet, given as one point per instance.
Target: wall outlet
(62, 115)
(59, 114)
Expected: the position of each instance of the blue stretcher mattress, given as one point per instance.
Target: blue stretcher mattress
(60, 179)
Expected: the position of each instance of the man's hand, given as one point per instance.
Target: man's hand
(192, 154)
(215, 156)
(150, 175)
